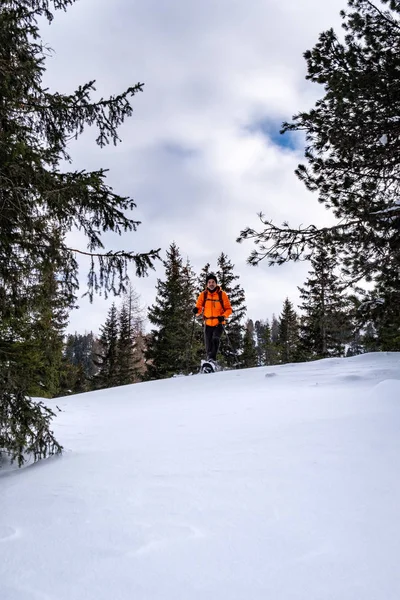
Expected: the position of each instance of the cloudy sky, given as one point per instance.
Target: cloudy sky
(202, 154)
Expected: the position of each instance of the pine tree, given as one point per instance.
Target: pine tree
(354, 335)
(202, 279)
(49, 320)
(193, 329)
(108, 362)
(352, 147)
(259, 328)
(125, 365)
(274, 329)
(325, 323)
(381, 309)
(370, 339)
(266, 349)
(274, 341)
(41, 203)
(78, 364)
(33, 337)
(228, 281)
(249, 354)
(167, 351)
(288, 340)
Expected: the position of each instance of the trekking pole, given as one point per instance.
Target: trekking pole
(189, 351)
(230, 345)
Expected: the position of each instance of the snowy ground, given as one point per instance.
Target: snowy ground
(278, 483)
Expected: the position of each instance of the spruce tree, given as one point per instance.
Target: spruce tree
(171, 315)
(266, 350)
(49, 320)
(202, 279)
(78, 365)
(125, 368)
(380, 308)
(42, 202)
(249, 354)
(228, 281)
(33, 338)
(274, 340)
(259, 327)
(288, 340)
(325, 323)
(107, 361)
(194, 342)
(274, 329)
(370, 338)
(352, 147)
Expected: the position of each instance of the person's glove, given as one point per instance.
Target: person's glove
(195, 310)
(221, 319)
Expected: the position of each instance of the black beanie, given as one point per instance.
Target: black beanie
(211, 276)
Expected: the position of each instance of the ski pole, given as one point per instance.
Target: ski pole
(190, 344)
(230, 344)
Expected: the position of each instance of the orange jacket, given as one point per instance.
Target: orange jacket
(212, 308)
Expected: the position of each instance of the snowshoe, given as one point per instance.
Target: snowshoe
(209, 366)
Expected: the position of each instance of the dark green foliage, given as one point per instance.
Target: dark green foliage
(124, 349)
(107, 360)
(78, 365)
(379, 313)
(267, 353)
(228, 281)
(194, 346)
(274, 330)
(48, 322)
(79, 350)
(356, 344)
(370, 339)
(249, 353)
(121, 347)
(31, 332)
(171, 314)
(288, 337)
(40, 204)
(325, 323)
(24, 422)
(263, 335)
(352, 147)
(201, 280)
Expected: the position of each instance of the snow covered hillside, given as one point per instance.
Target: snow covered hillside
(276, 483)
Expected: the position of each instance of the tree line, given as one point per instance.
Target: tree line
(327, 323)
(350, 301)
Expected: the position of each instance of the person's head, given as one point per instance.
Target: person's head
(211, 281)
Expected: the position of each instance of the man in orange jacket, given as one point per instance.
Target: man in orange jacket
(215, 307)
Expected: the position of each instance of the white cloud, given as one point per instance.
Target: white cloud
(194, 155)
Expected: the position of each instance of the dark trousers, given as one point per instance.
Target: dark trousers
(212, 337)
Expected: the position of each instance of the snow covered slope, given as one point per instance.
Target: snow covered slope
(276, 483)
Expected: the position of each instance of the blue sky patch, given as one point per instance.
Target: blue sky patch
(271, 129)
